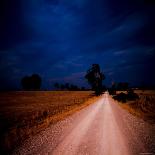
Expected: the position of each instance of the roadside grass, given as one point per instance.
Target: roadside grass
(23, 114)
(144, 107)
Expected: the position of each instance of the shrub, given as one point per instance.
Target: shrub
(130, 96)
(121, 97)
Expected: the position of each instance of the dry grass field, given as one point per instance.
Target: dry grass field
(144, 107)
(23, 114)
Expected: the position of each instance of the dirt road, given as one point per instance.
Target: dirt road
(102, 128)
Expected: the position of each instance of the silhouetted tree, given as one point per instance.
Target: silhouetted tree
(36, 81)
(26, 82)
(56, 85)
(76, 87)
(104, 88)
(31, 82)
(73, 87)
(83, 88)
(67, 86)
(113, 89)
(95, 77)
(122, 86)
(62, 86)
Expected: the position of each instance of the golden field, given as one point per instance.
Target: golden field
(25, 113)
(144, 107)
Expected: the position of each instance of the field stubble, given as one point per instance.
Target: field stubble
(23, 114)
(144, 107)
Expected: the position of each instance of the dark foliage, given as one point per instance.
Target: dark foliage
(130, 96)
(31, 82)
(122, 86)
(83, 88)
(112, 90)
(95, 77)
(121, 97)
(57, 85)
(67, 86)
(62, 86)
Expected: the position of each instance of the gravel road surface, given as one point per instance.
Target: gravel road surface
(103, 128)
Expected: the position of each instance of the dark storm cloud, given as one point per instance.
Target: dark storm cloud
(12, 28)
(62, 38)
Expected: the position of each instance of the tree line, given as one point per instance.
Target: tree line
(68, 86)
(34, 82)
(94, 77)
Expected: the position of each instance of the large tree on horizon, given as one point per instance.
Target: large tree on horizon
(32, 82)
(95, 77)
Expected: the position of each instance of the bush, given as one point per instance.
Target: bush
(121, 97)
(130, 96)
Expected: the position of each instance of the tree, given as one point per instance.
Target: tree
(62, 86)
(95, 77)
(56, 85)
(73, 87)
(83, 88)
(35, 81)
(112, 90)
(32, 82)
(122, 86)
(26, 83)
(67, 86)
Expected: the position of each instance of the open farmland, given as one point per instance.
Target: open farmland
(23, 114)
(144, 107)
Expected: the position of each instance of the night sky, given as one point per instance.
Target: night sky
(60, 39)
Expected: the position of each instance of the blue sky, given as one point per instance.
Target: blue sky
(60, 39)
